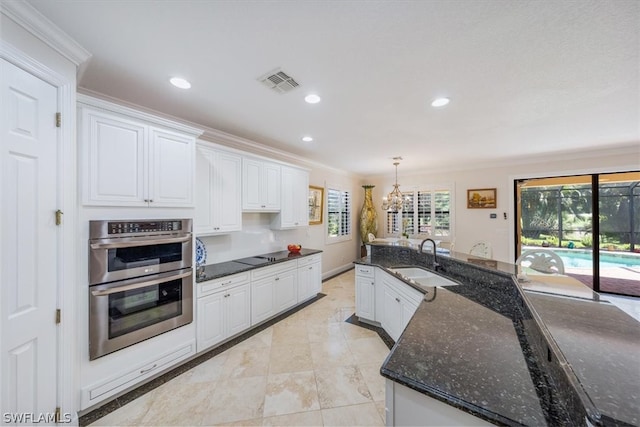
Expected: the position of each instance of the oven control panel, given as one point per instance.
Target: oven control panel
(126, 227)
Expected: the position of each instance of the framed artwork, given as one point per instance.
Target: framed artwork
(481, 198)
(316, 202)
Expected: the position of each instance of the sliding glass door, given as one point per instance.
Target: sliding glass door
(563, 214)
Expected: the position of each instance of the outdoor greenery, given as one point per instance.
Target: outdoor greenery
(561, 216)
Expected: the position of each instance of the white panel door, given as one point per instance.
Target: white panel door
(116, 167)
(228, 193)
(365, 298)
(272, 189)
(252, 185)
(28, 261)
(262, 306)
(203, 215)
(286, 290)
(171, 167)
(238, 309)
(210, 320)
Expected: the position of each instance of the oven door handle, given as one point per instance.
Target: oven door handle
(139, 242)
(105, 292)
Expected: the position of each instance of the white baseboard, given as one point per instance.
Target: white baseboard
(336, 271)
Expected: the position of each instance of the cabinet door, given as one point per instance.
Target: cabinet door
(227, 195)
(392, 315)
(271, 177)
(295, 197)
(114, 163)
(203, 219)
(365, 298)
(408, 309)
(251, 184)
(262, 306)
(238, 309)
(304, 282)
(210, 317)
(286, 290)
(171, 171)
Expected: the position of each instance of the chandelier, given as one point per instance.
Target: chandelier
(393, 201)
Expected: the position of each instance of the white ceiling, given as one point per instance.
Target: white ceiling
(524, 77)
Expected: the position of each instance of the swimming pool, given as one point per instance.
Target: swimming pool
(576, 258)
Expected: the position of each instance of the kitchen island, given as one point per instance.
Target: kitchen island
(492, 349)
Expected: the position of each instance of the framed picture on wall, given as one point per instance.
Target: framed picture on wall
(481, 198)
(316, 203)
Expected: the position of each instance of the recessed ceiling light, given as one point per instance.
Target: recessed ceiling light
(312, 98)
(180, 82)
(307, 139)
(440, 102)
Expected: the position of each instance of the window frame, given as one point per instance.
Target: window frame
(433, 190)
(349, 215)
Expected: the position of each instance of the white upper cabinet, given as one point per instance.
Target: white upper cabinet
(218, 191)
(260, 185)
(131, 158)
(294, 209)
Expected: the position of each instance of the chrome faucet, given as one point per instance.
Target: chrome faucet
(436, 266)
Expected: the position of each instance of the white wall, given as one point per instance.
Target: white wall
(472, 225)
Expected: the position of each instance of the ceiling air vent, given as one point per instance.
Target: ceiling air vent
(279, 81)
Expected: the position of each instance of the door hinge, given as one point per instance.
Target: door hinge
(58, 316)
(59, 214)
(58, 418)
(58, 120)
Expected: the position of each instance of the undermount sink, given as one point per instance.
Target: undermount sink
(422, 277)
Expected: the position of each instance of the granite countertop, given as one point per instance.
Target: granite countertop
(478, 346)
(227, 268)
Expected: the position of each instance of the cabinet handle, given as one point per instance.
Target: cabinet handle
(146, 200)
(398, 299)
(277, 278)
(227, 295)
(373, 283)
(150, 200)
(144, 371)
(310, 268)
(227, 283)
(263, 206)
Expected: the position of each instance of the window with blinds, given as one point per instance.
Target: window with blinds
(423, 212)
(338, 213)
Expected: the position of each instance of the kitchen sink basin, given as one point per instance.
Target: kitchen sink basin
(422, 277)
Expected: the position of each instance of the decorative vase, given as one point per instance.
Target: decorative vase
(368, 215)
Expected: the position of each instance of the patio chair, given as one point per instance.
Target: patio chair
(541, 260)
(481, 249)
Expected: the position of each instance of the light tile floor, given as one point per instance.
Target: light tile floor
(310, 369)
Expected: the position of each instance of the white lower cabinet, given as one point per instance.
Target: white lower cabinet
(407, 407)
(399, 302)
(137, 373)
(273, 290)
(365, 293)
(309, 277)
(224, 312)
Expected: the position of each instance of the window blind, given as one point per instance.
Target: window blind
(339, 213)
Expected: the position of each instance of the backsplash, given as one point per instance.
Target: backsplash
(256, 237)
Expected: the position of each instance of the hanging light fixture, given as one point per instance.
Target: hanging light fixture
(393, 201)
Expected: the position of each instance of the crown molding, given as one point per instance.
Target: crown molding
(25, 15)
(108, 105)
(215, 136)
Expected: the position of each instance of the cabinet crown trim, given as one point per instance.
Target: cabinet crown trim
(85, 100)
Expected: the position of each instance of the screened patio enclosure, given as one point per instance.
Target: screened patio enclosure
(565, 213)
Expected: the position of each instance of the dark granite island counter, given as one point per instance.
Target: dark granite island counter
(512, 357)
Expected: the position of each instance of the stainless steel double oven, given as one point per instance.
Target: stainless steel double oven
(140, 281)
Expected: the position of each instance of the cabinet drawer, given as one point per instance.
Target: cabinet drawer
(309, 260)
(114, 385)
(210, 286)
(273, 269)
(365, 270)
